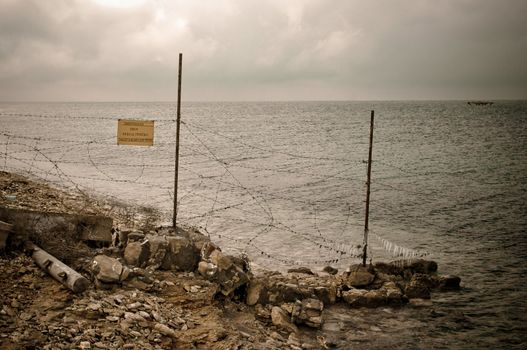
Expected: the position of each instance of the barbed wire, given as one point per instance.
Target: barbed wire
(212, 183)
(70, 117)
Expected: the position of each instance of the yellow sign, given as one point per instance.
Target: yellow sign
(135, 132)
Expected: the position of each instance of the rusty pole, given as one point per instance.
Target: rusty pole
(367, 215)
(176, 173)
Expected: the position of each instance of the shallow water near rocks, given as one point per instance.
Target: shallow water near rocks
(284, 183)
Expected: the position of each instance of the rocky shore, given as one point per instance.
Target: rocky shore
(160, 288)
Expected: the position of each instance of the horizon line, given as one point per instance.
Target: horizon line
(262, 101)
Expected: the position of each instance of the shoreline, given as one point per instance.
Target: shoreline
(272, 310)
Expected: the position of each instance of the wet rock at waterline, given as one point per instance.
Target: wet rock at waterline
(359, 276)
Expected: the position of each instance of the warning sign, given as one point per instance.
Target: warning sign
(135, 132)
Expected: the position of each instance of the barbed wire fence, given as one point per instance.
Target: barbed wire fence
(270, 210)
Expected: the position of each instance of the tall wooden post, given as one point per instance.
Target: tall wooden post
(178, 124)
(367, 215)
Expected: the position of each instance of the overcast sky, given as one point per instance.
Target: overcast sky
(111, 50)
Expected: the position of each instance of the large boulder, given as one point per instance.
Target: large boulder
(137, 253)
(359, 276)
(158, 250)
(109, 270)
(181, 255)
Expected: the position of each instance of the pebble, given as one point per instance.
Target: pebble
(135, 334)
(85, 345)
(144, 314)
(134, 306)
(25, 316)
(161, 328)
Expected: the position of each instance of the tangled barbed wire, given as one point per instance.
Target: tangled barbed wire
(219, 192)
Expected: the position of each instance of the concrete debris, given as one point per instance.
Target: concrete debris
(83, 227)
(57, 269)
(109, 270)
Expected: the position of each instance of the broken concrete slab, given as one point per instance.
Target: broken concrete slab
(82, 227)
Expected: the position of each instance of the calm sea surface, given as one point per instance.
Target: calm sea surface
(285, 183)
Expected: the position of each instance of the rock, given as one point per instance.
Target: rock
(137, 253)
(301, 269)
(158, 250)
(355, 297)
(222, 261)
(359, 276)
(328, 295)
(85, 345)
(420, 266)
(394, 295)
(262, 312)
(449, 282)
(375, 298)
(308, 312)
(109, 270)
(165, 330)
(206, 269)
(181, 255)
(419, 287)
(287, 292)
(281, 319)
(331, 270)
(134, 236)
(371, 298)
(223, 270)
(294, 341)
(256, 292)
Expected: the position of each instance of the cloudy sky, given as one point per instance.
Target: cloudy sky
(107, 50)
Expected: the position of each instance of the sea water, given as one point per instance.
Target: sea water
(284, 182)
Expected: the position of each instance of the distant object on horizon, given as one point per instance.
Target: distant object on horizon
(480, 103)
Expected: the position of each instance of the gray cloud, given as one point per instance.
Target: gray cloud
(263, 50)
